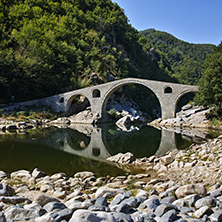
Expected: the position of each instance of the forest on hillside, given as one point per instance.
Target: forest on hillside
(181, 60)
(53, 46)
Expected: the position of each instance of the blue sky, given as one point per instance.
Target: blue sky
(194, 21)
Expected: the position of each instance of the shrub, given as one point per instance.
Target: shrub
(21, 113)
(215, 122)
(114, 115)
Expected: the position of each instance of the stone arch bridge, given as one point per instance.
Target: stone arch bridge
(167, 93)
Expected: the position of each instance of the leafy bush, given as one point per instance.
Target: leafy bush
(21, 113)
(179, 59)
(114, 115)
(215, 122)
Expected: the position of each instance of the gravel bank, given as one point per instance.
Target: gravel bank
(185, 186)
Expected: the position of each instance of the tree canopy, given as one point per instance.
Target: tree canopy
(210, 91)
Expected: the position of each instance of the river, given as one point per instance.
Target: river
(85, 147)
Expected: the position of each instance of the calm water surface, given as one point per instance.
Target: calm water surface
(82, 148)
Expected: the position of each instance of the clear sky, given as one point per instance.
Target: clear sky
(194, 21)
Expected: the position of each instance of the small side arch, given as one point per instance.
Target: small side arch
(168, 90)
(96, 152)
(96, 93)
(61, 100)
(76, 103)
(180, 96)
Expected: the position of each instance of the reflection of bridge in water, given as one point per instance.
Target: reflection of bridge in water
(90, 142)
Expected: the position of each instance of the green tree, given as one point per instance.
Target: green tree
(210, 91)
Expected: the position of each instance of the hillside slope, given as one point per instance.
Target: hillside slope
(53, 46)
(180, 59)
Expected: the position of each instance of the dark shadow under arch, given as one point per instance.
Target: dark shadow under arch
(168, 90)
(139, 92)
(184, 99)
(96, 93)
(76, 104)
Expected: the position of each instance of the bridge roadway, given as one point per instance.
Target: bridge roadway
(167, 93)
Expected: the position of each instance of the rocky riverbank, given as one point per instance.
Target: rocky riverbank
(21, 126)
(179, 186)
(189, 117)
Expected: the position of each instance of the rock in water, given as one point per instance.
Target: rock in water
(128, 120)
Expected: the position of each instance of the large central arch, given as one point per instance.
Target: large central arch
(121, 84)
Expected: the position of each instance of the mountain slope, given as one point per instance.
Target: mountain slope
(180, 59)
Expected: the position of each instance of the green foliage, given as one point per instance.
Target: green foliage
(24, 113)
(42, 114)
(48, 47)
(214, 134)
(210, 91)
(179, 59)
(130, 185)
(82, 83)
(31, 113)
(114, 115)
(214, 122)
(1, 111)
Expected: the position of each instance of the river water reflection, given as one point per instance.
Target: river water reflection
(84, 147)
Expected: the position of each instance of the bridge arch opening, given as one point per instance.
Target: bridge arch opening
(96, 151)
(61, 100)
(96, 93)
(77, 103)
(183, 99)
(135, 98)
(168, 90)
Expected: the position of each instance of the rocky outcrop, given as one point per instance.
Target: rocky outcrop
(7, 125)
(122, 158)
(124, 106)
(189, 117)
(128, 120)
(84, 117)
(61, 121)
